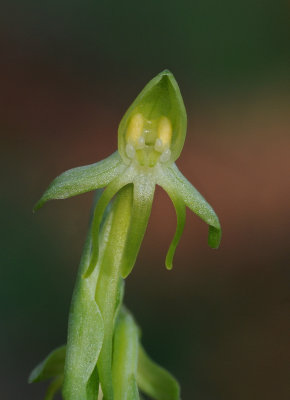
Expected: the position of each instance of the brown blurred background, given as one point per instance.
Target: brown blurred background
(68, 71)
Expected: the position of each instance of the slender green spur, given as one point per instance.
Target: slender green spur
(104, 358)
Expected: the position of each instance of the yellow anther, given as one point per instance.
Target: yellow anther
(164, 131)
(135, 128)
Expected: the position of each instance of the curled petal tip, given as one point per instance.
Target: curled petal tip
(168, 264)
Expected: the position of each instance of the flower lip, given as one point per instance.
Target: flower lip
(153, 128)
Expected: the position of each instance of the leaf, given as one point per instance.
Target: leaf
(154, 380)
(50, 367)
(83, 179)
(194, 200)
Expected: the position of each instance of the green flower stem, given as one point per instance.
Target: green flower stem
(109, 283)
(94, 306)
(125, 359)
(102, 348)
(85, 331)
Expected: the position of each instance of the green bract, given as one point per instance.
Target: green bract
(103, 354)
(151, 136)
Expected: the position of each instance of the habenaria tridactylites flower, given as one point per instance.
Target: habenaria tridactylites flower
(150, 139)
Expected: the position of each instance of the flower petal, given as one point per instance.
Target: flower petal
(180, 215)
(194, 200)
(83, 179)
(143, 193)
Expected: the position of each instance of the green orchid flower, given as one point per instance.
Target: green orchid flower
(150, 139)
(103, 354)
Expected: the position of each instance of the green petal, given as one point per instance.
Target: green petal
(180, 214)
(125, 357)
(83, 179)
(50, 367)
(194, 200)
(53, 388)
(144, 187)
(155, 381)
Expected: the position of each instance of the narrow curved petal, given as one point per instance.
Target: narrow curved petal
(194, 200)
(180, 215)
(102, 204)
(83, 179)
(143, 194)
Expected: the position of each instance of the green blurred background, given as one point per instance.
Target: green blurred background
(68, 72)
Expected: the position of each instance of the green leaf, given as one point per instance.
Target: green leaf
(194, 200)
(142, 203)
(50, 367)
(125, 357)
(161, 97)
(155, 381)
(53, 388)
(83, 179)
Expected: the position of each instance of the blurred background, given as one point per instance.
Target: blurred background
(69, 70)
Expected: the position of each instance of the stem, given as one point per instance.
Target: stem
(109, 284)
(94, 306)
